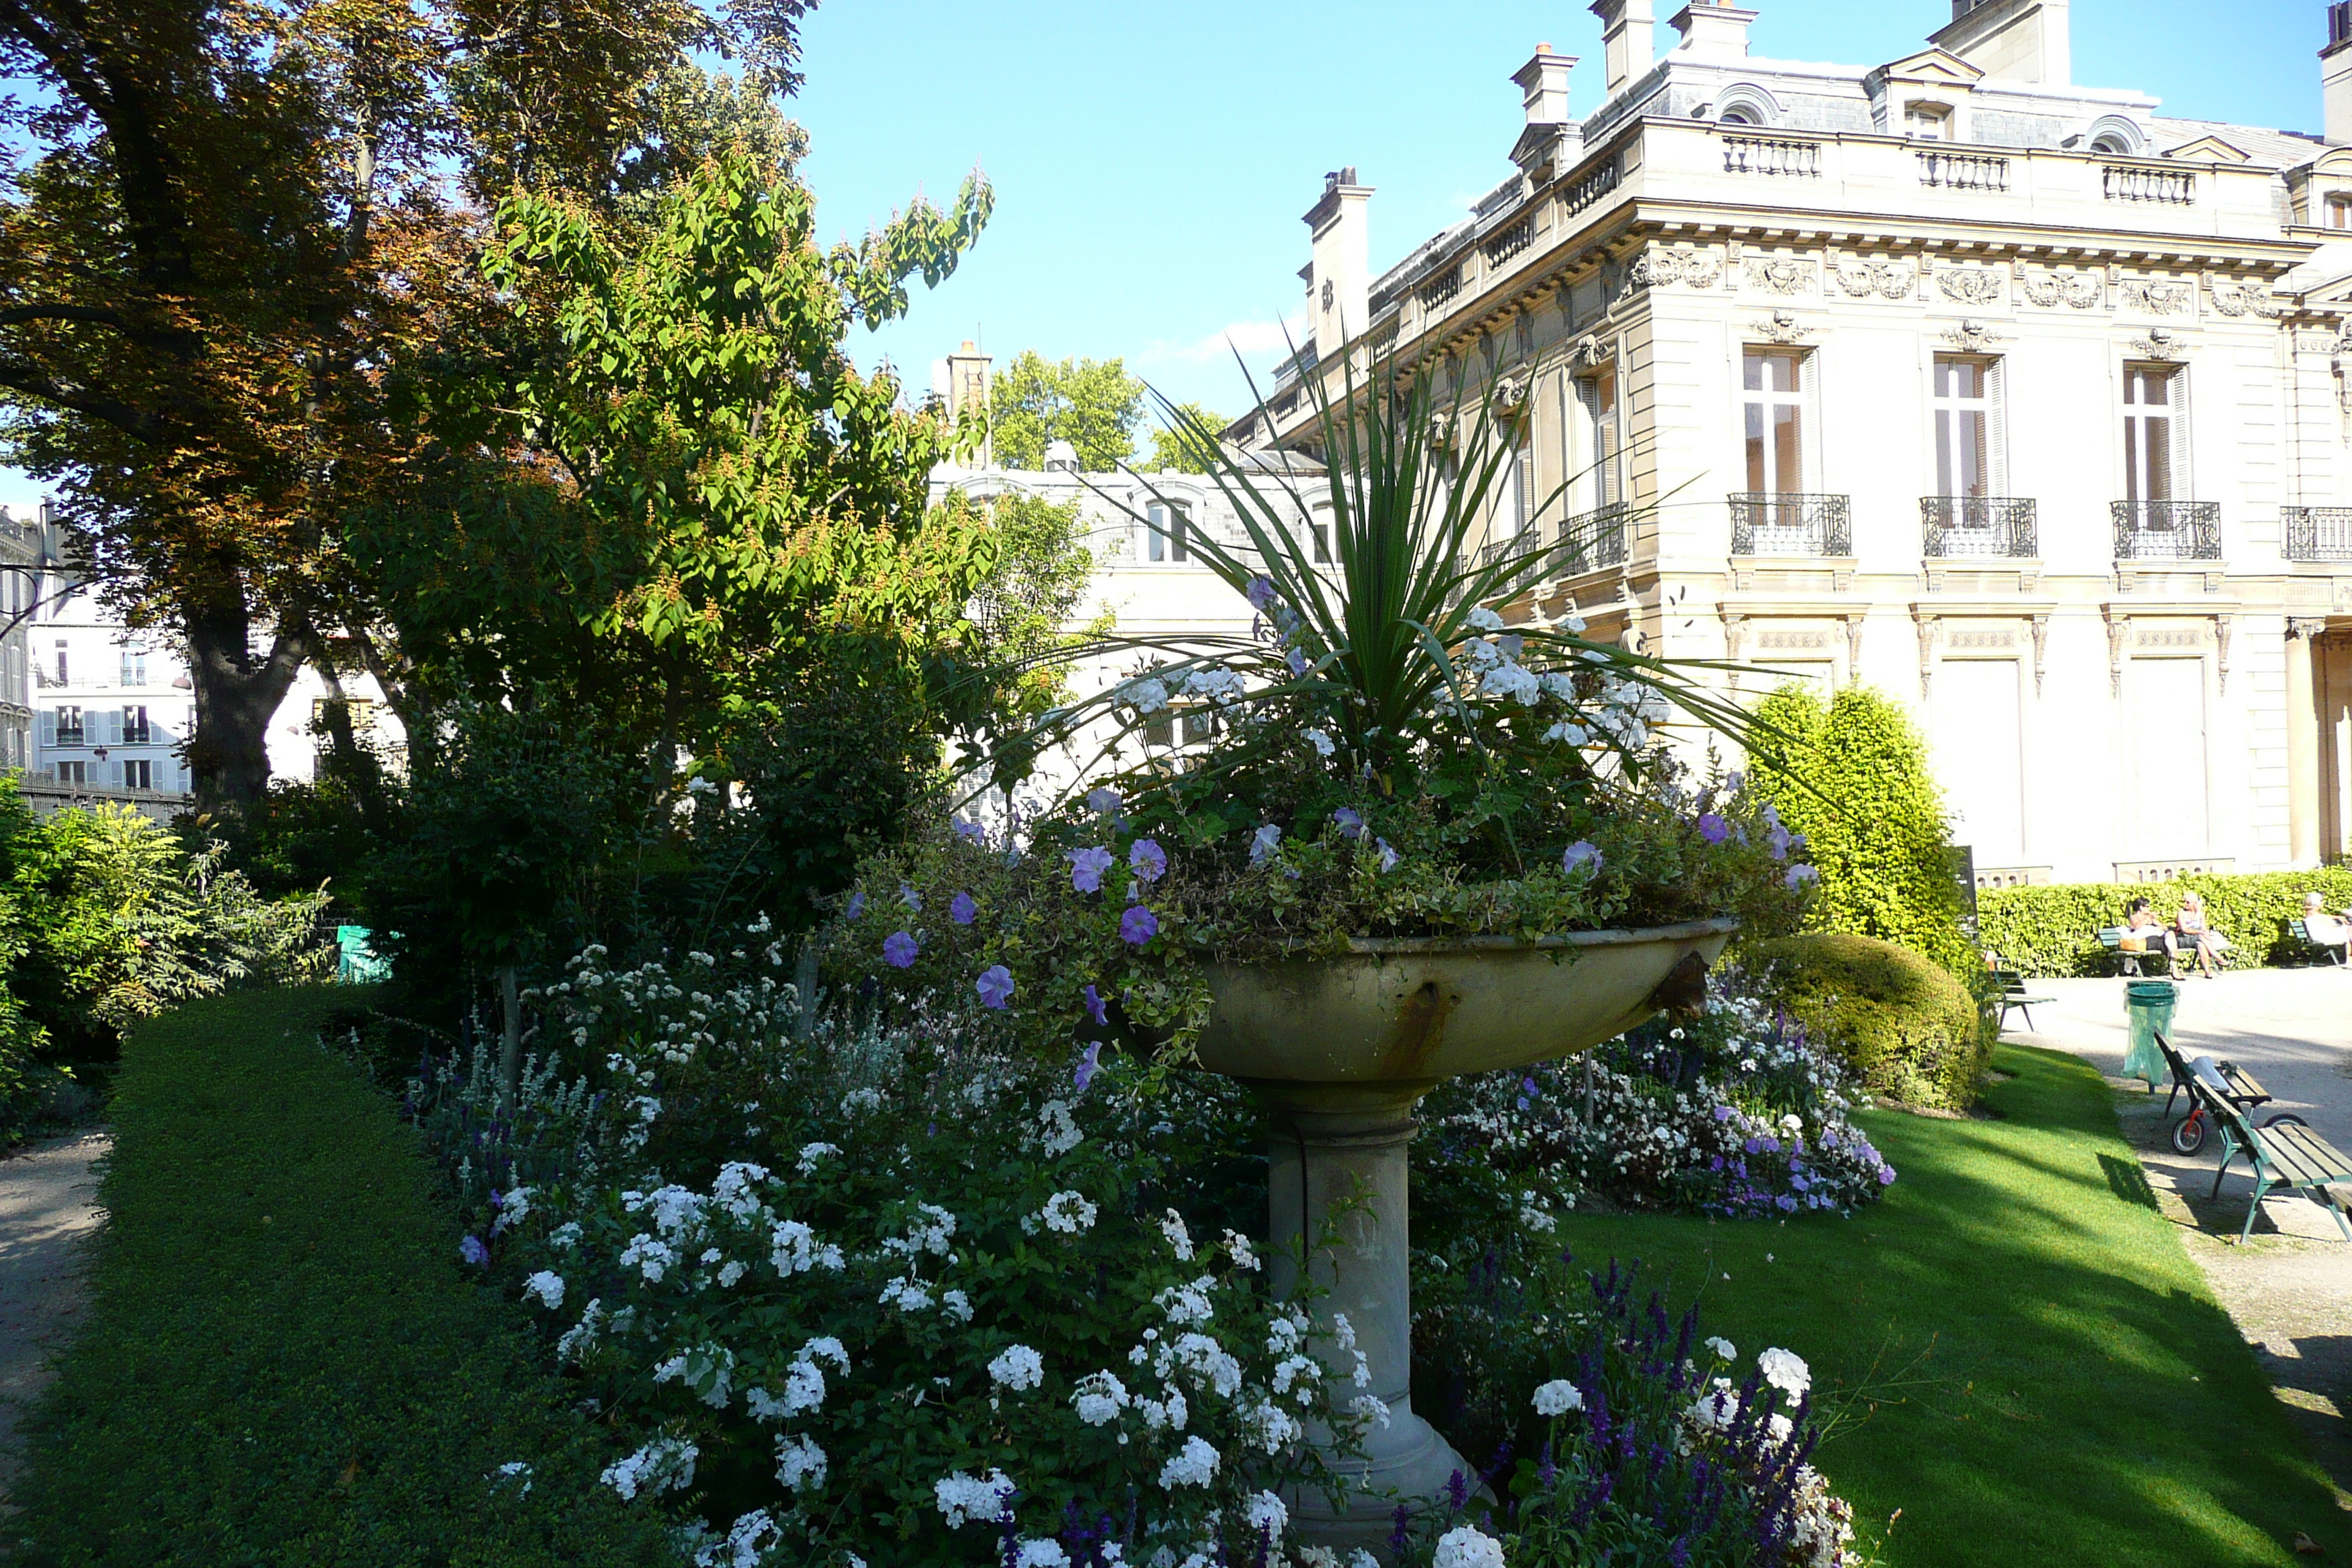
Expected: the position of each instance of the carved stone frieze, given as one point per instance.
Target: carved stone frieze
(2081, 291)
(2159, 344)
(1784, 328)
(1675, 263)
(1969, 285)
(1780, 274)
(2235, 298)
(2154, 297)
(1866, 280)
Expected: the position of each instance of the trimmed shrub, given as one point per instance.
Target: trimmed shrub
(1857, 784)
(1906, 1026)
(2043, 932)
(283, 1363)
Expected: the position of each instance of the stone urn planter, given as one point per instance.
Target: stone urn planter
(1341, 1048)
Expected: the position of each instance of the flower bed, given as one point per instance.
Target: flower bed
(911, 1294)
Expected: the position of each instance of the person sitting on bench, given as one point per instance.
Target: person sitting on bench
(2324, 929)
(2143, 932)
(2208, 944)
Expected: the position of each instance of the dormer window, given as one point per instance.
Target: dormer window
(2337, 211)
(1928, 122)
(2111, 146)
(1737, 117)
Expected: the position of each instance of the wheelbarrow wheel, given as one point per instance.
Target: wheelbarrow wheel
(2188, 1136)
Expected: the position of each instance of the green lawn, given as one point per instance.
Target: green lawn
(2030, 1365)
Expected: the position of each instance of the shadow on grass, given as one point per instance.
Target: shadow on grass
(2019, 1354)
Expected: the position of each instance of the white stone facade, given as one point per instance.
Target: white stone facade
(2019, 401)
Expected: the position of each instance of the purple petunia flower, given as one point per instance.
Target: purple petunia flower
(472, 1250)
(1296, 661)
(971, 832)
(1148, 861)
(1138, 926)
(1350, 821)
(908, 897)
(1724, 1113)
(1802, 876)
(1388, 857)
(1582, 853)
(1264, 844)
(1087, 1066)
(1714, 829)
(1087, 868)
(963, 909)
(898, 949)
(1102, 800)
(1885, 1175)
(1095, 1007)
(994, 986)
(1260, 594)
(857, 904)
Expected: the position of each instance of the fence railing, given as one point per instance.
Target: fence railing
(1771, 156)
(2316, 532)
(1591, 540)
(2167, 530)
(1964, 171)
(2130, 183)
(1960, 526)
(1791, 525)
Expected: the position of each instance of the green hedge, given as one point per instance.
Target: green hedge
(283, 1363)
(1908, 1028)
(2055, 930)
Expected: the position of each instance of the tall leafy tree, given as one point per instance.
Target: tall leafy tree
(1094, 404)
(1180, 442)
(228, 217)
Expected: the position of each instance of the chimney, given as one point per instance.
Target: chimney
(968, 374)
(1543, 86)
(2026, 41)
(1626, 47)
(1712, 32)
(1339, 281)
(2335, 73)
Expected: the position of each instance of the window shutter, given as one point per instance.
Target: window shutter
(114, 772)
(2177, 385)
(1809, 439)
(114, 727)
(1997, 426)
(48, 727)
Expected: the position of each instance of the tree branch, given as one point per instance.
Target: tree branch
(19, 375)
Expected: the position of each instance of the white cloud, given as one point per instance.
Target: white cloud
(1250, 339)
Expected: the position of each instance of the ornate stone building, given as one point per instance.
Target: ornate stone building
(2020, 400)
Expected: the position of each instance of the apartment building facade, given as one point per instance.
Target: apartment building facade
(2020, 400)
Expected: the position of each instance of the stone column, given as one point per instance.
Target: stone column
(1337, 1159)
(2302, 744)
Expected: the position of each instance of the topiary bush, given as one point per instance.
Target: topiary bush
(1908, 1026)
(2054, 931)
(1856, 783)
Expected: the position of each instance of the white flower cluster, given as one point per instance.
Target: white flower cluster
(665, 1464)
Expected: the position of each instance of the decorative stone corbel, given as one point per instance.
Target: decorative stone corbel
(2302, 626)
(2221, 651)
(1734, 636)
(1591, 351)
(1975, 337)
(2160, 345)
(1783, 329)
(2040, 650)
(1853, 649)
(1927, 654)
(2118, 633)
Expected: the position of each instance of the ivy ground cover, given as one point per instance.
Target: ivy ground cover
(2014, 1349)
(283, 1363)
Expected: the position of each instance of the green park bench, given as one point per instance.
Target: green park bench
(2327, 952)
(2285, 1153)
(2128, 961)
(2014, 997)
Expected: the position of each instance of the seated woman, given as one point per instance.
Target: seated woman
(2324, 929)
(2190, 925)
(2143, 932)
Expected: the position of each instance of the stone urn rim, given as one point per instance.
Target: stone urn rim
(1382, 946)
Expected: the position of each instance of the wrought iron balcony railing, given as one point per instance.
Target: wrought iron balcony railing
(1961, 526)
(1791, 525)
(2316, 532)
(2167, 530)
(1521, 543)
(1592, 540)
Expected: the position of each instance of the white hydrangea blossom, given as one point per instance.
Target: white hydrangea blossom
(1099, 1398)
(1785, 1370)
(955, 1306)
(665, 1464)
(1467, 1546)
(810, 1153)
(548, 1286)
(907, 1295)
(792, 1248)
(1558, 1398)
(734, 1190)
(1194, 1465)
(963, 1497)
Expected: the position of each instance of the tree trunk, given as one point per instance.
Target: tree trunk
(509, 1046)
(236, 695)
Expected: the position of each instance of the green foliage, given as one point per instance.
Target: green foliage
(1908, 1028)
(1094, 404)
(1177, 442)
(283, 1364)
(1022, 609)
(1853, 776)
(2054, 931)
(106, 920)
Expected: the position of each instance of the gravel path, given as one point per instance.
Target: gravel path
(2290, 1288)
(48, 1209)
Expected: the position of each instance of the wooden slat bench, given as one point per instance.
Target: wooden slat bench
(2241, 1086)
(2284, 1153)
(2112, 939)
(2013, 997)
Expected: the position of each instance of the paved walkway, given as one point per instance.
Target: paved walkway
(48, 1196)
(2290, 1289)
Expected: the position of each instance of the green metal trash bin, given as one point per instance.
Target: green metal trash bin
(2147, 1007)
(357, 961)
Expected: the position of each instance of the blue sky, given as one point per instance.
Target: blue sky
(1152, 159)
